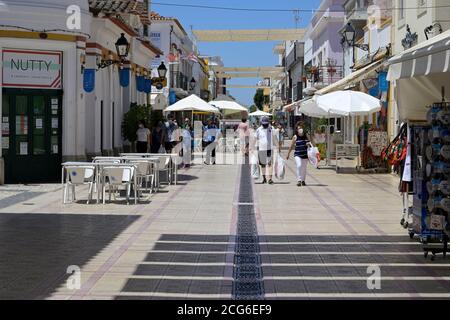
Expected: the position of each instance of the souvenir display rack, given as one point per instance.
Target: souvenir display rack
(430, 152)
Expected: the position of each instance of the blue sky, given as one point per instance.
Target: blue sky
(239, 54)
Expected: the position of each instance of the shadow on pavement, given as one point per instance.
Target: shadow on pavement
(37, 248)
(186, 177)
(296, 266)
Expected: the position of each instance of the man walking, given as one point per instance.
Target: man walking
(210, 136)
(170, 127)
(266, 139)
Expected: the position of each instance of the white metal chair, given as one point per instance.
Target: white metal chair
(164, 166)
(145, 172)
(79, 175)
(116, 177)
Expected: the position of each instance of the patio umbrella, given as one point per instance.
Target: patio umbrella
(228, 106)
(310, 108)
(348, 102)
(192, 103)
(260, 113)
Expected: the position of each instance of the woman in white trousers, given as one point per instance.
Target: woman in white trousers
(300, 143)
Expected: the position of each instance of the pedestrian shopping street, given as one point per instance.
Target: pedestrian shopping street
(218, 234)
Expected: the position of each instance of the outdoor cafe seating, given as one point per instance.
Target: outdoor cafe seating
(139, 172)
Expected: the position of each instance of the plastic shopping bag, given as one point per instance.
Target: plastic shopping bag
(314, 156)
(256, 174)
(162, 149)
(280, 168)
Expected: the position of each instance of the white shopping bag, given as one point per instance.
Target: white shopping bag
(162, 149)
(256, 174)
(280, 168)
(312, 156)
(254, 165)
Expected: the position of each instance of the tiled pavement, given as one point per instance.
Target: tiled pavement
(312, 242)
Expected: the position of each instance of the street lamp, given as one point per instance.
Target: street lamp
(349, 34)
(160, 81)
(162, 70)
(192, 84)
(349, 37)
(122, 49)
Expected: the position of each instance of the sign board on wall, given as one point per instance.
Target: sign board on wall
(377, 141)
(32, 69)
(155, 38)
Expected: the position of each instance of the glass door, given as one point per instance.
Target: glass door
(31, 140)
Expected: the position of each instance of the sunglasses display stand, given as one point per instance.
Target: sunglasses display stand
(430, 148)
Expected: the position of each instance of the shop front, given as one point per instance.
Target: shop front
(42, 106)
(422, 85)
(31, 114)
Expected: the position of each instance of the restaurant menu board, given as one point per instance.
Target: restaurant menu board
(377, 141)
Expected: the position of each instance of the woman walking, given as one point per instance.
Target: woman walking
(143, 138)
(300, 143)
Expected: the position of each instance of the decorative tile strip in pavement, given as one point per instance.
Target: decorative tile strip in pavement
(247, 275)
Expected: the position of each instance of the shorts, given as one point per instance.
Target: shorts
(265, 157)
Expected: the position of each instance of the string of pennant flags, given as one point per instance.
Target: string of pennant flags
(190, 57)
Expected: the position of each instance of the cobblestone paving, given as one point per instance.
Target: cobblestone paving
(313, 242)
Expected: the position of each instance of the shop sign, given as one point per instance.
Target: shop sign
(155, 38)
(89, 80)
(147, 85)
(32, 69)
(124, 77)
(382, 82)
(172, 97)
(140, 83)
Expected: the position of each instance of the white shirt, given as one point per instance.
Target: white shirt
(142, 134)
(261, 138)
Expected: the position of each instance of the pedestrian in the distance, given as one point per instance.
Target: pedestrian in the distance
(169, 132)
(243, 132)
(143, 138)
(300, 143)
(210, 139)
(157, 137)
(266, 142)
(186, 151)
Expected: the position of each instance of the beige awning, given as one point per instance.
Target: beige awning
(352, 78)
(249, 35)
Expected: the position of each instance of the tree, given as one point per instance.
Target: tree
(260, 99)
(131, 120)
(253, 108)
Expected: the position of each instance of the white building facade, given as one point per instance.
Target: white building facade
(51, 111)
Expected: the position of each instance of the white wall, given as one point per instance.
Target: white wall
(419, 19)
(43, 14)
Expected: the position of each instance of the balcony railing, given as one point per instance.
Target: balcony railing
(326, 75)
(178, 80)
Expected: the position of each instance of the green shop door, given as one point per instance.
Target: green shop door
(31, 135)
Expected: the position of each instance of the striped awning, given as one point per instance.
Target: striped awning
(429, 57)
(353, 78)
